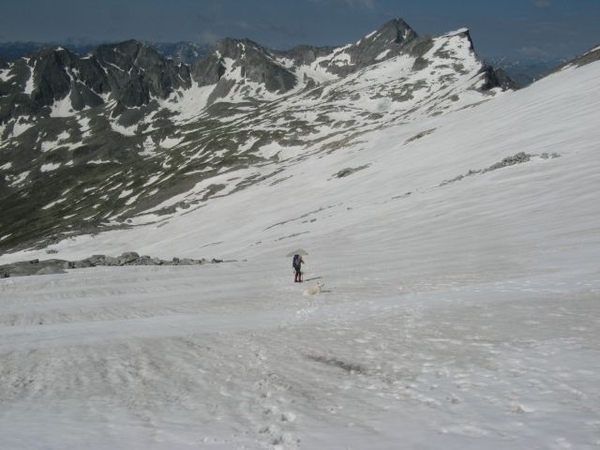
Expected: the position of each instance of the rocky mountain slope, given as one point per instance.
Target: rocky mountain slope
(124, 136)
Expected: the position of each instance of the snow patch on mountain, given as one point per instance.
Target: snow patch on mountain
(124, 130)
(170, 142)
(6, 75)
(62, 107)
(21, 125)
(63, 139)
(29, 84)
(49, 167)
(17, 180)
(189, 103)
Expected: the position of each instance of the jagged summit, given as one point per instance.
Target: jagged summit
(388, 41)
(396, 30)
(243, 59)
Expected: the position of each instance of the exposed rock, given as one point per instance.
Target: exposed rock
(33, 267)
(254, 62)
(497, 78)
(57, 266)
(519, 158)
(128, 258)
(588, 57)
(130, 72)
(182, 52)
(349, 171)
(3, 62)
(305, 54)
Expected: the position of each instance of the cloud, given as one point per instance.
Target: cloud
(541, 3)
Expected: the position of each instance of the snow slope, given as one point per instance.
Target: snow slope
(461, 305)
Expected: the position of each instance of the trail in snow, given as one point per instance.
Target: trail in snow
(255, 365)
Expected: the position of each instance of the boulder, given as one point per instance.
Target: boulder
(128, 259)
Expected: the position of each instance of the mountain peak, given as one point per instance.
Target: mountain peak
(387, 42)
(462, 33)
(239, 48)
(398, 30)
(125, 54)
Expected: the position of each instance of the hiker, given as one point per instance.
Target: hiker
(297, 262)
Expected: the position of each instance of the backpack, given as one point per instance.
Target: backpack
(295, 261)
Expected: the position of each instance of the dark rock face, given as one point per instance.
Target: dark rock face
(305, 54)
(50, 76)
(182, 52)
(130, 73)
(208, 70)
(254, 62)
(392, 39)
(135, 72)
(497, 78)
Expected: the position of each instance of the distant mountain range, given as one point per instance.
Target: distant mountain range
(525, 71)
(522, 70)
(123, 134)
(185, 52)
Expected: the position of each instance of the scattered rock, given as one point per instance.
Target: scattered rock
(56, 266)
(128, 258)
(349, 171)
(519, 158)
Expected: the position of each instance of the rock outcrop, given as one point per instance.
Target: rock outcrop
(55, 266)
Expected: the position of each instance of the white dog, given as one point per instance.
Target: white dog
(317, 289)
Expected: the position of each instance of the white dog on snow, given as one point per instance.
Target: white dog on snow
(317, 289)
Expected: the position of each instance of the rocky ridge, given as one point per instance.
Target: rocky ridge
(55, 266)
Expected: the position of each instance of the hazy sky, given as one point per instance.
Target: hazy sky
(553, 28)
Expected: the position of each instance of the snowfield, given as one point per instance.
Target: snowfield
(461, 306)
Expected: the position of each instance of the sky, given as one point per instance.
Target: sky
(513, 28)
